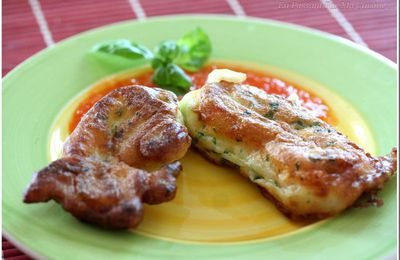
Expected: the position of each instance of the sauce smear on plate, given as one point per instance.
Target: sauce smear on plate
(260, 79)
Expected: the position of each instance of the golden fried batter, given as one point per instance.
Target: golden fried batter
(107, 194)
(111, 162)
(137, 125)
(303, 164)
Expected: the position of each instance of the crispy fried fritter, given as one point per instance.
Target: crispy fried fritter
(137, 125)
(107, 194)
(304, 165)
(110, 163)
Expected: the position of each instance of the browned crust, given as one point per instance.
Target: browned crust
(313, 154)
(111, 162)
(135, 124)
(106, 194)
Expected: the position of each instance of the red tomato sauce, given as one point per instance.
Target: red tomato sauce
(260, 79)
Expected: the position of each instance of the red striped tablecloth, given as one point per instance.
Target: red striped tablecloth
(32, 25)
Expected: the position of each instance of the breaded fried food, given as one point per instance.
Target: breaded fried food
(122, 153)
(305, 166)
(137, 125)
(107, 194)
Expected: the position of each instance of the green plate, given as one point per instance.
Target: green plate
(37, 90)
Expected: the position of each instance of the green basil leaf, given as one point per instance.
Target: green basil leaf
(125, 49)
(195, 49)
(157, 62)
(166, 52)
(121, 53)
(173, 78)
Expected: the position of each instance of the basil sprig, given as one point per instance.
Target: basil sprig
(169, 59)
